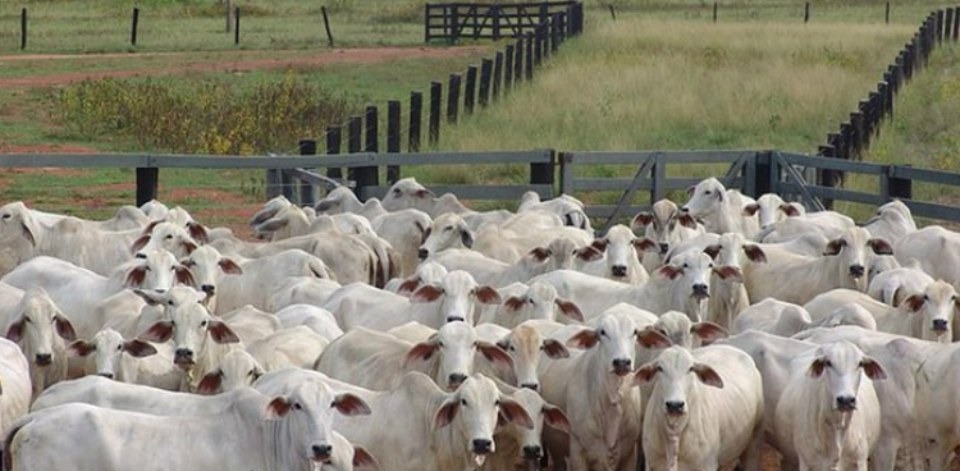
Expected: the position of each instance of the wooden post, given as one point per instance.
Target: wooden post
(148, 180)
(555, 32)
(938, 27)
(23, 28)
(470, 91)
(393, 138)
(827, 177)
(508, 68)
(334, 137)
(519, 62)
(453, 98)
(715, 7)
(486, 73)
(133, 26)
(495, 11)
(436, 96)
(956, 23)
(497, 74)
(543, 173)
(227, 10)
(454, 24)
(529, 54)
(326, 25)
(806, 12)
(426, 22)
(236, 26)
(287, 187)
(416, 113)
(308, 193)
(886, 15)
(538, 37)
(897, 187)
(613, 14)
(354, 142)
(948, 24)
(369, 176)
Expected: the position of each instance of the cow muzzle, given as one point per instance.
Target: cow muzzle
(44, 359)
(675, 407)
(621, 366)
(618, 271)
(700, 292)
(183, 358)
(846, 403)
(857, 271)
(482, 446)
(940, 325)
(322, 453)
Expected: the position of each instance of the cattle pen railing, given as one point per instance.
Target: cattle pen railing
(804, 178)
(456, 20)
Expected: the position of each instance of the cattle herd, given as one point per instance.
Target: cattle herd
(412, 333)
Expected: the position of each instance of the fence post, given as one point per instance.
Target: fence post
(763, 174)
(538, 44)
(496, 22)
(393, 138)
(529, 54)
(948, 24)
(436, 96)
(326, 25)
(508, 68)
(368, 177)
(236, 26)
(23, 28)
(334, 137)
(426, 22)
(486, 70)
(715, 7)
(354, 142)
(519, 62)
(939, 31)
(453, 98)
(806, 12)
(497, 74)
(555, 33)
(886, 15)
(858, 131)
(659, 175)
(956, 23)
(148, 180)
(542, 173)
(470, 91)
(827, 177)
(897, 187)
(416, 113)
(308, 194)
(133, 26)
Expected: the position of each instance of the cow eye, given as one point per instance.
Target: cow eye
(463, 402)
(396, 191)
(603, 332)
(926, 297)
(710, 266)
(6, 217)
(203, 324)
(169, 236)
(512, 348)
(119, 347)
(662, 331)
(147, 268)
(297, 406)
(440, 344)
(448, 228)
(827, 364)
(706, 192)
(170, 303)
(685, 265)
(659, 369)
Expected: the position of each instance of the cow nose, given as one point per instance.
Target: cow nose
(423, 254)
(531, 386)
(183, 356)
(621, 366)
(846, 403)
(482, 446)
(455, 379)
(106, 375)
(44, 359)
(675, 407)
(940, 325)
(684, 209)
(856, 271)
(619, 271)
(701, 290)
(208, 289)
(455, 318)
(140, 255)
(159, 290)
(664, 247)
(532, 452)
(322, 452)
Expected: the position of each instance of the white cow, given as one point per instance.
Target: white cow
(622, 253)
(893, 221)
(936, 251)
(705, 410)
(377, 360)
(829, 415)
(404, 230)
(40, 328)
(721, 210)
(568, 208)
(112, 356)
(524, 345)
(787, 319)
(448, 231)
(301, 290)
(168, 236)
(342, 200)
(937, 379)
(237, 369)
(317, 319)
(539, 300)
(492, 272)
(14, 382)
(668, 227)
(292, 347)
(519, 447)
(454, 298)
(893, 286)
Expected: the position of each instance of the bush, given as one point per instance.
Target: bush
(202, 116)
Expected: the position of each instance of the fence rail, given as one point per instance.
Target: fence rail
(453, 21)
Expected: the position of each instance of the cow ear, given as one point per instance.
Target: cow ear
(585, 339)
(751, 209)
(729, 273)
(652, 338)
(646, 244)
(541, 254)
(880, 246)
(569, 309)
(136, 276)
(554, 349)
(817, 367)
(363, 459)
(487, 295)
(230, 267)
(708, 332)
(138, 348)
(426, 294)
(755, 253)
(220, 332)
(409, 285)
(712, 250)
(198, 232)
(873, 369)
(514, 303)
(707, 375)
(80, 348)
(188, 246)
(494, 354)
(27, 233)
(646, 373)
(670, 271)
(211, 383)
(148, 297)
(691, 190)
(512, 411)
(272, 225)
(467, 238)
(184, 276)
(420, 352)
(64, 328)
(15, 331)
(140, 243)
(350, 404)
(600, 244)
(588, 253)
(721, 195)
(554, 417)
(278, 408)
(426, 234)
(160, 332)
(789, 209)
(834, 247)
(914, 303)
(642, 219)
(687, 220)
(446, 413)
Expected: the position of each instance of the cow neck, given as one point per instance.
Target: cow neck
(607, 388)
